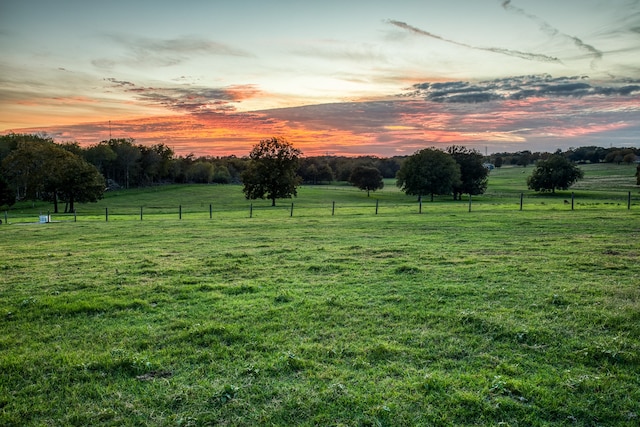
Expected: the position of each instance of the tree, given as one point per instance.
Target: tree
(200, 172)
(126, 161)
(638, 174)
(366, 178)
(41, 169)
(26, 168)
(272, 171)
(80, 182)
(473, 173)
(555, 172)
(428, 171)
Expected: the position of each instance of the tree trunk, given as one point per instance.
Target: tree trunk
(273, 202)
(55, 202)
(71, 206)
(432, 197)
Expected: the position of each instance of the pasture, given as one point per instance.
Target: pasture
(449, 317)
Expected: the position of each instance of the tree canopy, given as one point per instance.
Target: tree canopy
(40, 169)
(473, 174)
(271, 172)
(366, 178)
(554, 173)
(428, 171)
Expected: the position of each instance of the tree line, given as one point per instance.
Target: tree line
(33, 166)
(581, 155)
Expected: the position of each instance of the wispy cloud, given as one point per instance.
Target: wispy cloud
(189, 99)
(141, 51)
(554, 32)
(509, 52)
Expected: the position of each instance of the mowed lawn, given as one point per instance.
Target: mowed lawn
(490, 317)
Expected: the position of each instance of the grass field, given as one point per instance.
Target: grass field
(494, 317)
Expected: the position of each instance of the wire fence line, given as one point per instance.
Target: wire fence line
(292, 209)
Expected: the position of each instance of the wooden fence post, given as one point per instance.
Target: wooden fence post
(106, 214)
(251, 210)
(291, 214)
(140, 213)
(629, 201)
(75, 215)
(573, 196)
(420, 204)
(377, 206)
(180, 212)
(469, 202)
(333, 209)
(210, 211)
(521, 197)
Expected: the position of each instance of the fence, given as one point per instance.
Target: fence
(302, 209)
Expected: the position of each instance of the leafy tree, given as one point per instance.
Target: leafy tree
(125, 164)
(314, 170)
(473, 174)
(100, 155)
(555, 172)
(79, 181)
(200, 172)
(26, 168)
(366, 178)
(40, 169)
(221, 175)
(428, 171)
(272, 171)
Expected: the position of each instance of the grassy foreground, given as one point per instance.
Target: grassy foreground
(441, 319)
(494, 317)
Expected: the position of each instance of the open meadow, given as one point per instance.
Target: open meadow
(498, 316)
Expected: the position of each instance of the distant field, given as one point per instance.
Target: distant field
(604, 185)
(494, 317)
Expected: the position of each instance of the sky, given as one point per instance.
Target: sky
(345, 77)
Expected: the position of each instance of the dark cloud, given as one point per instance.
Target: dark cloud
(509, 52)
(187, 98)
(550, 30)
(120, 83)
(520, 88)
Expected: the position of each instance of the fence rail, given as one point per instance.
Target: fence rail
(301, 209)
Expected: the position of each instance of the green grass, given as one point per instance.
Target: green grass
(497, 316)
(604, 186)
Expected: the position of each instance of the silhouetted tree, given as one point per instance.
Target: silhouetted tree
(272, 171)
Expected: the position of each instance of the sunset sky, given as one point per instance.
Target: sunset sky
(340, 77)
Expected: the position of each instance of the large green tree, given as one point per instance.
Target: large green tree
(79, 182)
(428, 171)
(271, 172)
(473, 174)
(556, 172)
(366, 178)
(40, 169)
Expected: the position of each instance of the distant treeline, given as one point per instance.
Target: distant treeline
(126, 164)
